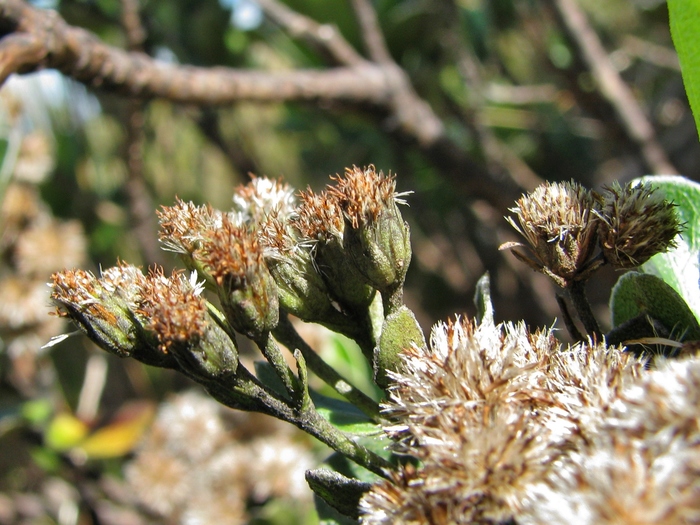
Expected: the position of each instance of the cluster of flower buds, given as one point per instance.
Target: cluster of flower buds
(323, 260)
(572, 231)
(161, 321)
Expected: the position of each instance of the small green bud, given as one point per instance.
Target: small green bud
(376, 238)
(320, 224)
(400, 331)
(343, 279)
(381, 250)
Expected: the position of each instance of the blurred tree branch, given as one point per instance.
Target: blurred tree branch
(612, 87)
(33, 39)
(144, 224)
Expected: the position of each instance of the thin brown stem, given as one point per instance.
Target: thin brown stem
(568, 320)
(577, 293)
(326, 36)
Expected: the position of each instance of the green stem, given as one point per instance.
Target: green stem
(268, 347)
(244, 392)
(287, 335)
(392, 299)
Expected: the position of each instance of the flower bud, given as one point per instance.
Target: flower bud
(320, 221)
(233, 256)
(376, 237)
(399, 332)
(636, 224)
(105, 309)
(300, 288)
(182, 229)
(261, 197)
(559, 222)
(185, 329)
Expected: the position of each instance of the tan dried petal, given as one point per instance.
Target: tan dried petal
(636, 224)
(559, 224)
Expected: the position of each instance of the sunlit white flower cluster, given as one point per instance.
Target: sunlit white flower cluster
(509, 425)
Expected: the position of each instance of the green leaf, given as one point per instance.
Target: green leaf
(638, 294)
(268, 377)
(680, 267)
(340, 492)
(684, 16)
(344, 416)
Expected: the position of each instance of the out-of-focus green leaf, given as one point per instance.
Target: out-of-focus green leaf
(37, 411)
(684, 16)
(680, 267)
(345, 416)
(65, 432)
(346, 357)
(637, 294)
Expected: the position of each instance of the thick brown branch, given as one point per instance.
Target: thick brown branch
(33, 39)
(19, 52)
(81, 55)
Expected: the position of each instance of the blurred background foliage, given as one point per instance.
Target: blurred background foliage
(79, 165)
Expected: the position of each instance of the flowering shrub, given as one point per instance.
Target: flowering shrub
(489, 423)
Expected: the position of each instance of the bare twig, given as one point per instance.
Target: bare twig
(325, 35)
(33, 39)
(500, 159)
(144, 224)
(371, 31)
(611, 86)
(653, 53)
(131, 21)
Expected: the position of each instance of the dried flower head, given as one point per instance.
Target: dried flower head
(635, 224)
(180, 318)
(203, 463)
(36, 158)
(318, 217)
(376, 237)
(24, 303)
(642, 464)
(49, 246)
(104, 308)
(20, 207)
(320, 225)
(467, 408)
(559, 222)
(263, 197)
(182, 229)
(234, 257)
(490, 411)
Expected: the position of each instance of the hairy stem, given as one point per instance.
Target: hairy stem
(268, 347)
(244, 392)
